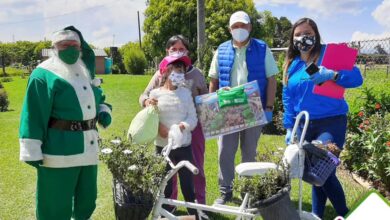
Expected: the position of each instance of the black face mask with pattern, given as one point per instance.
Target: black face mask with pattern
(304, 43)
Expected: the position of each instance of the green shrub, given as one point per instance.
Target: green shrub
(3, 100)
(115, 69)
(138, 167)
(367, 148)
(264, 186)
(150, 71)
(134, 59)
(261, 187)
(276, 127)
(6, 79)
(14, 71)
(366, 104)
(1, 86)
(117, 64)
(207, 53)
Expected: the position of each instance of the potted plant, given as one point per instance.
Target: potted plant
(137, 173)
(269, 193)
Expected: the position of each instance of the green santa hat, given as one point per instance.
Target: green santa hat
(88, 56)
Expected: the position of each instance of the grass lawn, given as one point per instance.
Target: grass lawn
(18, 180)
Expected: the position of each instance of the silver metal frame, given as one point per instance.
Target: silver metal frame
(242, 212)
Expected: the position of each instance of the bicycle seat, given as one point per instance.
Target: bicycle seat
(254, 168)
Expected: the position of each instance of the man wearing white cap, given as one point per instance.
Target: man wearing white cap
(58, 134)
(236, 62)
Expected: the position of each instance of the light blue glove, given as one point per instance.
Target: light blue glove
(288, 136)
(322, 75)
(268, 115)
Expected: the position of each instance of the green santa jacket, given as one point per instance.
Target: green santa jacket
(53, 92)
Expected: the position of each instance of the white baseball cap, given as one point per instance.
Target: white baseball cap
(64, 35)
(239, 16)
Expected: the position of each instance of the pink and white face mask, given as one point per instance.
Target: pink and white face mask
(178, 53)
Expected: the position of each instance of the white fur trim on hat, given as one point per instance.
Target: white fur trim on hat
(65, 35)
(239, 16)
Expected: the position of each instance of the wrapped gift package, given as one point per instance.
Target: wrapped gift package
(228, 111)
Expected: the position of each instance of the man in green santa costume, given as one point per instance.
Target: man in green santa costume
(58, 134)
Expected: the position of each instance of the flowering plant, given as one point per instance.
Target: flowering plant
(137, 167)
(367, 147)
(368, 103)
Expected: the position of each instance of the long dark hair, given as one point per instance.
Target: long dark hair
(293, 52)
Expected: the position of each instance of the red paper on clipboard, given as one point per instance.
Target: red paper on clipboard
(336, 57)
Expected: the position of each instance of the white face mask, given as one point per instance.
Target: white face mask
(177, 79)
(177, 53)
(240, 34)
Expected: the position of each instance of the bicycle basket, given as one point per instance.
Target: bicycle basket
(127, 206)
(318, 166)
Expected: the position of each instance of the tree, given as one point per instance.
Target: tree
(164, 18)
(218, 13)
(380, 50)
(201, 29)
(134, 58)
(282, 32)
(117, 61)
(5, 54)
(24, 51)
(107, 50)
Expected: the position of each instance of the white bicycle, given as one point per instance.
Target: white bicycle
(242, 212)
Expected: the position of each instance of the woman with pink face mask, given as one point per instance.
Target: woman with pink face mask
(178, 46)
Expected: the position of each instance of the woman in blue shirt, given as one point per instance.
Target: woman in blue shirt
(327, 115)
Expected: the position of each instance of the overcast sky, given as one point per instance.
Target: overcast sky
(107, 22)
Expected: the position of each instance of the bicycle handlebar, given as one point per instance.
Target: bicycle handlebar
(188, 165)
(296, 125)
(191, 167)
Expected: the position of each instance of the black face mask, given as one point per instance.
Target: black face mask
(304, 43)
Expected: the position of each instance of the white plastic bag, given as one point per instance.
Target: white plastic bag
(144, 126)
(175, 136)
(291, 158)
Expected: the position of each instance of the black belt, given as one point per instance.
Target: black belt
(72, 125)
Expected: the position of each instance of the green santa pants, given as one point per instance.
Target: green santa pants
(63, 193)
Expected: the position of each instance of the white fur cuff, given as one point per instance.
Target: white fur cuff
(104, 108)
(96, 82)
(30, 149)
(65, 35)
